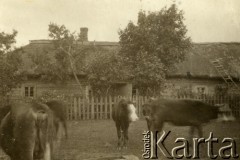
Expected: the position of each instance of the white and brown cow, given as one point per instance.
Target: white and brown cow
(123, 114)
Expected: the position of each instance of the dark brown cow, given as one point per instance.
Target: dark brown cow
(123, 114)
(178, 112)
(60, 113)
(27, 131)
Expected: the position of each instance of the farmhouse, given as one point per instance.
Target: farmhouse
(35, 84)
(197, 74)
(208, 67)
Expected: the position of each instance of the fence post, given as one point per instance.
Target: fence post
(74, 108)
(105, 107)
(79, 109)
(92, 107)
(83, 107)
(97, 107)
(139, 105)
(69, 102)
(101, 107)
(86, 105)
(110, 107)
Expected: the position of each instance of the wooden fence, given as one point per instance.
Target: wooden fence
(101, 107)
(97, 107)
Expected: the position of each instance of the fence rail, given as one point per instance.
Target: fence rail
(101, 107)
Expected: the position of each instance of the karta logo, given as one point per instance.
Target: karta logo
(153, 145)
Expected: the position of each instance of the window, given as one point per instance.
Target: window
(29, 92)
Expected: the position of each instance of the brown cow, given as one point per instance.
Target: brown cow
(178, 112)
(123, 114)
(27, 131)
(60, 114)
(59, 111)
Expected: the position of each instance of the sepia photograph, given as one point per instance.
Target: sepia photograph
(119, 79)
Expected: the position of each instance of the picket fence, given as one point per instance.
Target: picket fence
(98, 107)
(95, 108)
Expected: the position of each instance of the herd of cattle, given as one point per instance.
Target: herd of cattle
(28, 129)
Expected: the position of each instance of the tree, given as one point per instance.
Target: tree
(7, 41)
(10, 60)
(153, 45)
(148, 73)
(66, 48)
(65, 58)
(68, 56)
(104, 69)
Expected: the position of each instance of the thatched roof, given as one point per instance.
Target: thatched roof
(38, 48)
(197, 62)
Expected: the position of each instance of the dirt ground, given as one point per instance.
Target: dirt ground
(98, 139)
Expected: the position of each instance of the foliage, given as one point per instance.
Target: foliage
(148, 74)
(65, 44)
(160, 38)
(68, 55)
(102, 66)
(64, 58)
(9, 63)
(46, 65)
(105, 68)
(6, 41)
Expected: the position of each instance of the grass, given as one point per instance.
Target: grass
(98, 139)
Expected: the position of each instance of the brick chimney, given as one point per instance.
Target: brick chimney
(83, 34)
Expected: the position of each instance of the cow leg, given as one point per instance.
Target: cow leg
(125, 135)
(155, 124)
(64, 123)
(155, 127)
(200, 132)
(191, 131)
(191, 134)
(125, 138)
(118, 135)
(148, 123)
(56, 124)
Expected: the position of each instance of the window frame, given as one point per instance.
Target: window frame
(29, 91)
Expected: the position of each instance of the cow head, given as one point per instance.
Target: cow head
(132, 112)
(146, 111)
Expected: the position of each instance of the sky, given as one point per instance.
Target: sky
(206, 20)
